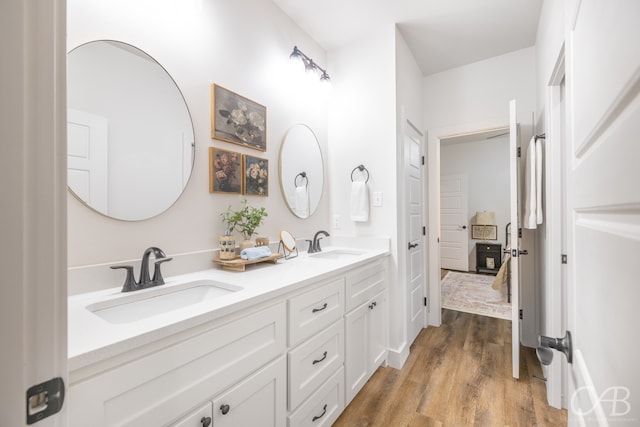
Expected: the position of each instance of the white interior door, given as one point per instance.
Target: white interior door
(454, 216)
(603, 95)
(87, 154)
(415, 255)
(515, 243)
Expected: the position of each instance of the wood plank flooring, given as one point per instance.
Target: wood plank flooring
(458, 374)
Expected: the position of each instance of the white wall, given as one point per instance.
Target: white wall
(242, 45)
(362, 131)
(486, 164)
(475, 97)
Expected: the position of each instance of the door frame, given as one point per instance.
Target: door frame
(33, 308)
(434, 308)
(554, 303)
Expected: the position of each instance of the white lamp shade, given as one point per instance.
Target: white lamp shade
(486, 218)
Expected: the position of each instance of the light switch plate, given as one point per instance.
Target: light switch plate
(337, 222)
(377, 198)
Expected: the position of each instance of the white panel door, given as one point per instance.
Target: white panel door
(415, 256)
(515, 241)
(454, 216)
(603, 187)
(87, 154)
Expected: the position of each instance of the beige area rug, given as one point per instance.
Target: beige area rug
(472, 293)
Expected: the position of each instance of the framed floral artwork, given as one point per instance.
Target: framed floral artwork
(225, 171)
(237, 119)
(255, 176)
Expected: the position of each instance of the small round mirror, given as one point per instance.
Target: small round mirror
(301, 171)
(288, 241)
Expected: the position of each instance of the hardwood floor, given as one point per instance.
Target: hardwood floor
(458, 374)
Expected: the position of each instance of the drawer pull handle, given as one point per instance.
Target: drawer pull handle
(224, 409)
(324, 356)
(317, 417)
(206, 421)
(315, 310)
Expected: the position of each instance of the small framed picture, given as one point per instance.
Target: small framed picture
(484, 232)
(225, 171)
(255, 176)
(491, 263)
(237, 119)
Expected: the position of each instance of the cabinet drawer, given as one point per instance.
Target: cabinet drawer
(157, 388)
(324, 406)
(313, 362)
(364, 283)
(314, 310)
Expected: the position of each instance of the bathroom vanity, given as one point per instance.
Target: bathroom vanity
(286, 344)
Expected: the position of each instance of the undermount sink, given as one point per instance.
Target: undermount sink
(140, 305)
(337, 254)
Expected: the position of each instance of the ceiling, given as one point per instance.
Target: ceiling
(442, 34)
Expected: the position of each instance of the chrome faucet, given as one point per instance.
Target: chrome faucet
(145, 281)
(314, 246)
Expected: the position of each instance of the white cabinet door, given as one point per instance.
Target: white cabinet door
(199, 418)
(257, 401)
(356, 350)
(377, 331)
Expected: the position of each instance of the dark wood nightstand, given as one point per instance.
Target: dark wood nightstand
(488, 251)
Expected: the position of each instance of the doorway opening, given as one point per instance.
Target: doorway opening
(474, 214)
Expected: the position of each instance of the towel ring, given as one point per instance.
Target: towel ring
(361, 168)
(302, 175)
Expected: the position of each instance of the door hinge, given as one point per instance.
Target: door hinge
(521, 314)
(438, 240)
(44, 399)
(519, 152)
(564, 258)
(520, 233)
(425, 301)
(424, 230)
(423, 160)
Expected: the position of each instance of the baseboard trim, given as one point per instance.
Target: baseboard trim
(397, 358)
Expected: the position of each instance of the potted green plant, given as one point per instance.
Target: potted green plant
(246, 221)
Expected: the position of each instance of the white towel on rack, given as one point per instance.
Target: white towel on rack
(539, 159)
(301, 197)
(533, 185)
(359, 201)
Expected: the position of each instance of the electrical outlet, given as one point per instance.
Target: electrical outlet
(337, 221)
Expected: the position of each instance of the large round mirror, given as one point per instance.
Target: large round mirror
(301, 170)
(130, 137)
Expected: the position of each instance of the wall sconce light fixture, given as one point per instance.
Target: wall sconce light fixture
(309, 65)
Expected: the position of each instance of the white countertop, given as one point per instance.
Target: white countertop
(92, 339)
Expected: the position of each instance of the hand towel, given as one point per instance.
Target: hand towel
(539, 181)
(301, 197)
(254, 253)
(359, 201)
(530, 191)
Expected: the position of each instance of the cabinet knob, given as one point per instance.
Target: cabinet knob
(224, 409)
(206, 421)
